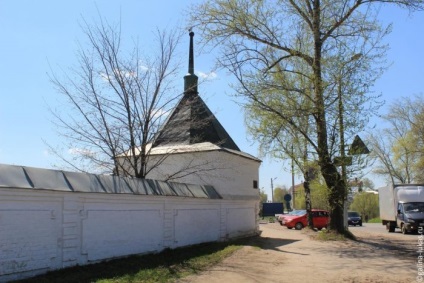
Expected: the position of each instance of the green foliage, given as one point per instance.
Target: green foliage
(366, 204)
(263, 196)
(263, 199)
(399, 148)
(319, 196)
(299, 200)
(279, 194)
(293, 68)
(374, 220)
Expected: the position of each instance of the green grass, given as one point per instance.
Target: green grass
(167, 266)
(374, 220)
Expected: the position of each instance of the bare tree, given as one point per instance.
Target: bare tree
(282, 54)
(116, 101)
(367, 184)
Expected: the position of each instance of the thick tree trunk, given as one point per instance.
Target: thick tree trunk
(336, 196)
(328, 169)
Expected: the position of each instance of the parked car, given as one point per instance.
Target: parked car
(320, 219)
(291, 213)
(353, 218)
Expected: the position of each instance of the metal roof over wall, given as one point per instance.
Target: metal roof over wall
(21, 177)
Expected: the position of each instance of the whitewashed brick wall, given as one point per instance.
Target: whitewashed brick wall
(45, 230)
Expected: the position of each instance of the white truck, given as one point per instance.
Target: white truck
(402, 206)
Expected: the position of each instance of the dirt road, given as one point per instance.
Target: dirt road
(292, 256)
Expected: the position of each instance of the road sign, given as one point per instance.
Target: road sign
(339, 161)
(287, 197)
(358, 147)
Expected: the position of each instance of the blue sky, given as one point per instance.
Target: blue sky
(39, 34)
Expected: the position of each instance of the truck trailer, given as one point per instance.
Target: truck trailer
(402, 206)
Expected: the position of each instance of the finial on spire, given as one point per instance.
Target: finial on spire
(190, 80)
(190, 55)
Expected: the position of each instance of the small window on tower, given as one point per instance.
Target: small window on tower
(255, 184)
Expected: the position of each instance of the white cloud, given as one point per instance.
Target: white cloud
(143, 68)
(105, 77)
(127, 74)
(160, 113)
(208, 76)
(80, 151)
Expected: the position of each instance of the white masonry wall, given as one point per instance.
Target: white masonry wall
(230, 174)
(44, 230)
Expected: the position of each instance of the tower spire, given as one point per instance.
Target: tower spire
(190, 80)
(190, 55)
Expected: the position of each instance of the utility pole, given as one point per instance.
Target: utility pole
(342, 151)
(272, 189)
(292, 171)
(344, 160)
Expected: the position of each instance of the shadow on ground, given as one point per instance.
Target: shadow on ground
(367, 247)
(397, 247)
(268, 243)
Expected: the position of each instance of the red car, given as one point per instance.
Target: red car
(320, 219)
(281, 217)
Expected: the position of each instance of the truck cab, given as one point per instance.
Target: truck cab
(410, 216)
(402, 206)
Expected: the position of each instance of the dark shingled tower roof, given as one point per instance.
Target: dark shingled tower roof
(191, 121)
